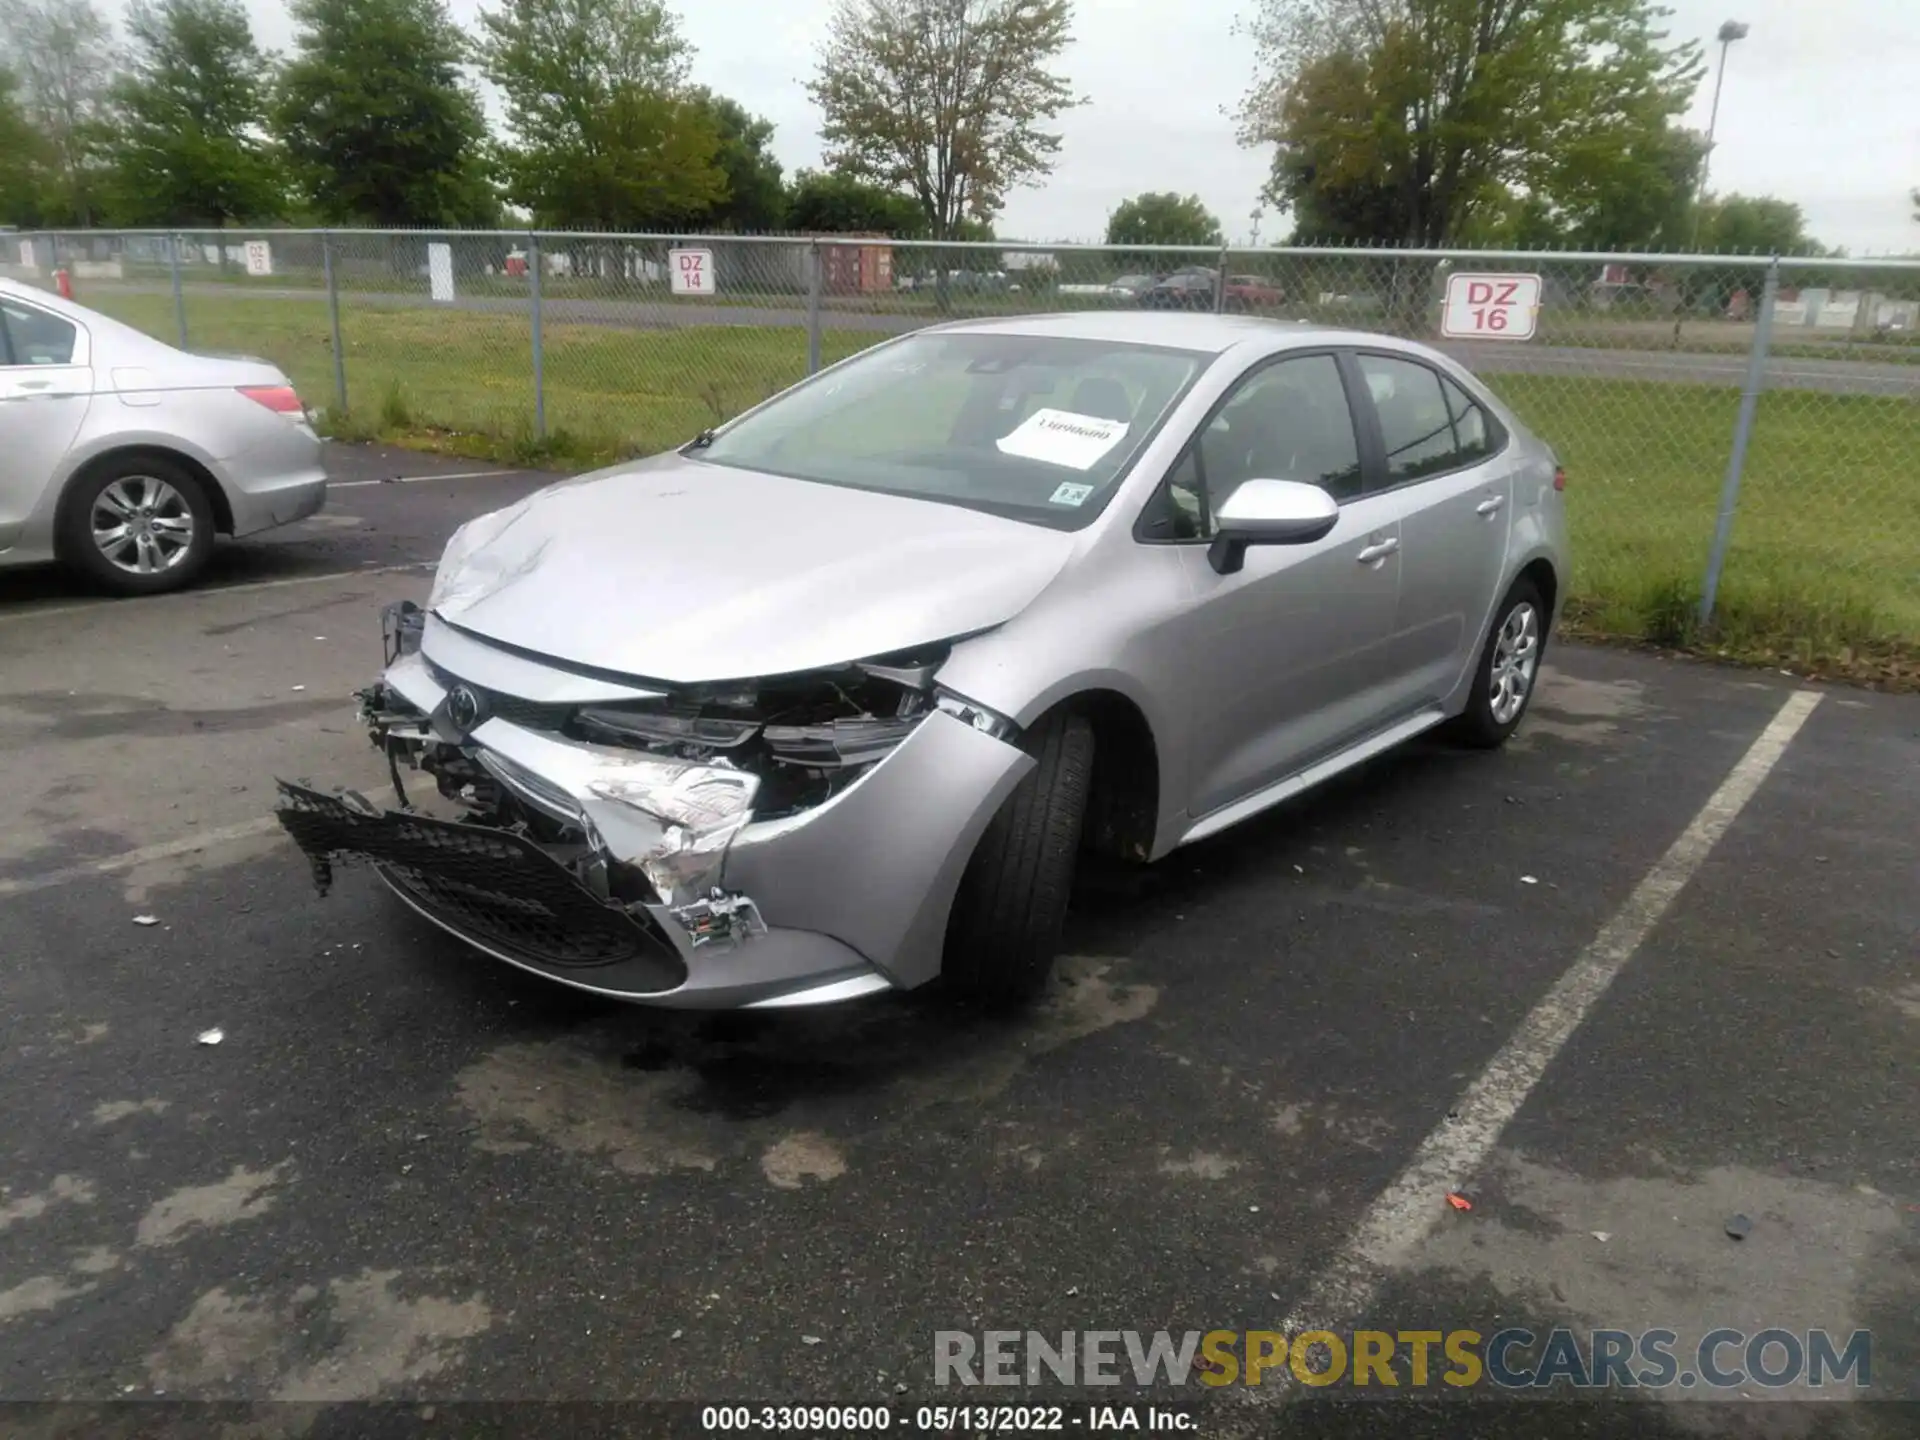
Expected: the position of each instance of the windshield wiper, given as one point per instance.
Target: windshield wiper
(702, 440)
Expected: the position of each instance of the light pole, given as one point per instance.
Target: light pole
(1731, 31)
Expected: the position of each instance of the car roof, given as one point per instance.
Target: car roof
(1180, 330)
(60, 306)
(46, 299)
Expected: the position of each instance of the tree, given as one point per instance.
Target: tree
(944, 100)
(1755, 225)
(23, 159)
(375, 121)
(756, 191)
(1411, 121)
(605, 132)
(1163, 218)
(186, 148)
(62, 53)
(831, 202)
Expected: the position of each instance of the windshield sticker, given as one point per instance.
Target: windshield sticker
(1061, 437)
(1071, 494)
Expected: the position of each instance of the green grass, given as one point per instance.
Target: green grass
(1822, 572)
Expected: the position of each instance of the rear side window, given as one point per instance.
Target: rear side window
(1470, 424)
(34, 337)
(1415, 424)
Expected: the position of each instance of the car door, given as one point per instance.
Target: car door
(1447, 459)
(45, 387)
(1287, 656)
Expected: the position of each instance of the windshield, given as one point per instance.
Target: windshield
(1033, 427)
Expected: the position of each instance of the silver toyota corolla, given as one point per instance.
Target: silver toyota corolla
(123, 457)
(828, 701)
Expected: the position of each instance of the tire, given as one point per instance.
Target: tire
(1007, 916)
(155, 497)
(1491, 716)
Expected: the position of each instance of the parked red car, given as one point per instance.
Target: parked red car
(1250, 292)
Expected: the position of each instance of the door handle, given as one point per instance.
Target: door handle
(1490, 505)
(1379, 550)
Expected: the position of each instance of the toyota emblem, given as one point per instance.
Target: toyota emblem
(463, 708)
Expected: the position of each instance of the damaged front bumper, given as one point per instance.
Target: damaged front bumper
(655, 877)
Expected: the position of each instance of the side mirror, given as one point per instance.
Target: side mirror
(1269, 512)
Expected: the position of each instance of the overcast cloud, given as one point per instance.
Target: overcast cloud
(1821, 106)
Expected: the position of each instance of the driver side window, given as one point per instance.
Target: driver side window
(1286, 421)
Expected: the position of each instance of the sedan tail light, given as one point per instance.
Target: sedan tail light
(280, 399)
(1559, 477)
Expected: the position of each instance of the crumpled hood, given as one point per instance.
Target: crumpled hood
(677, 570)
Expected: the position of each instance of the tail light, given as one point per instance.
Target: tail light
(1559, 477)
(280, 399)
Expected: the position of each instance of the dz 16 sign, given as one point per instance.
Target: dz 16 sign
(1491, 307)
(690, 272)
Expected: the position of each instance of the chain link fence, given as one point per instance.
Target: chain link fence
(1741, 435)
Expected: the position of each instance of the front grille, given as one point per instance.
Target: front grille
(528, 714)
(495, 887)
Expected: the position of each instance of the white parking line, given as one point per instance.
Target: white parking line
(211, 591)
(245, 830)
(1403, 1214)
(422, 479)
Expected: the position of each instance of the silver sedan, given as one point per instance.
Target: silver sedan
(123, 457)
(829, 701)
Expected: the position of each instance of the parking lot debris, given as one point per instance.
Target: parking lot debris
(299, 687)
(146, 919)
(1603, 1236)
(810, 1340)
(211, 1037)
(1458, 1201)
(1739, 1227)
(1529, 880)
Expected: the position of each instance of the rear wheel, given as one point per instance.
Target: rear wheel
(1503, 682)
(1012, 903)
(138, 525)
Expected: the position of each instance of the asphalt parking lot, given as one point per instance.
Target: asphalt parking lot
(1652, 966)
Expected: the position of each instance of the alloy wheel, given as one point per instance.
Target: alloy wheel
(142, 525)
(1516, 656)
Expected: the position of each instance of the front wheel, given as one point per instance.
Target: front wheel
(1503, 683)
(1007, 916)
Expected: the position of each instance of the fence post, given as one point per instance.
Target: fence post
(333, 319)
(813, 308)
(1220, 285)
(539, 344)
(179, 300)
(1742, 434)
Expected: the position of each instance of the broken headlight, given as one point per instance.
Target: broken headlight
(804, 736)
(837, 742)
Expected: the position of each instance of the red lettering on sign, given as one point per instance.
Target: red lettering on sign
(1479, 292)
(1508, 289)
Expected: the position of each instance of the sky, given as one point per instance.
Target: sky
(1821, 106)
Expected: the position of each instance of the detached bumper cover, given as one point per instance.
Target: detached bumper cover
(500, 889)
(847, 898)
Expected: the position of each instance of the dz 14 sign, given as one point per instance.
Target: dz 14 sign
(1491, 307)
(690, 272)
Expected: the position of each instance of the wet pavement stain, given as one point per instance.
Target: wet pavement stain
(244, 1195)
(647, 1107)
